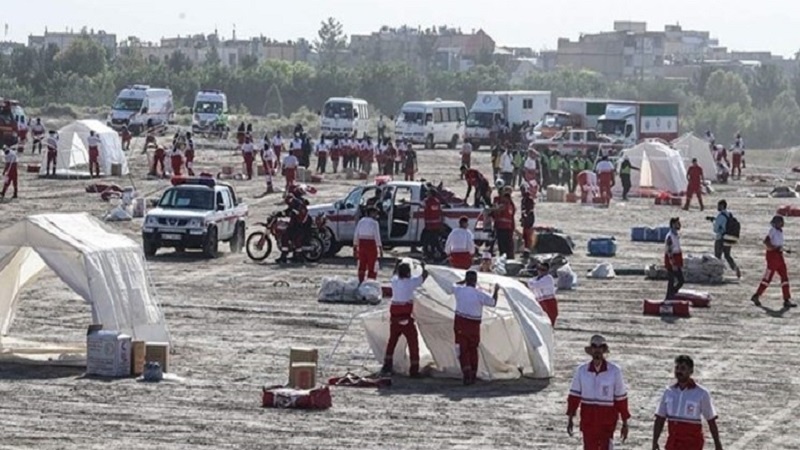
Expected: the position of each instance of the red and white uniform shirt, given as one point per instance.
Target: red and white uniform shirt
(403, 295)
(684, 410)
(268, 154)
(672, 251)
(52, 144)
(601, 395)
(297, 145)
(367, 229)
(322, 148)
(460, 240)
(247, 148)
(543, 288)
(94, 141)
(10, 159)
(531, 164)
(775, 237)
(290, 162)
(277, 142)
(604, 167)
(470, 302)
(37, 130)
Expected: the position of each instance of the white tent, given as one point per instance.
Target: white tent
(661, 167)
(690, 147)
(73, 153)
(516, 336)
(105, 268)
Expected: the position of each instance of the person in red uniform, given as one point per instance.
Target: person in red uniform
(775, 264)
(299, 228)
(410, 166)
(176, 159)
(694, 175)
(401, 322)
(290, 165)
(158, 161)
(22, 132)
(598, 389)
(94, 142)
(683, 407)
(470, 301)
(503, 213)
(367, 244)
(336, 154)
(606, 178)
(476, 180)
(241, 134)
(528, 218)
(52, 152)
(38, 136)
(126, 137)
(466, 157)
(673, 259)
(248, 156)
(460, 245)
(10, 171)
(434, 224)
(189, 154)
(543, 288)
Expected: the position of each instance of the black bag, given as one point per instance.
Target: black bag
(732, 229)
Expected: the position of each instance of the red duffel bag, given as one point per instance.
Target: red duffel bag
(669, 308)
(695, 298)
(283, 397)
(386, 291)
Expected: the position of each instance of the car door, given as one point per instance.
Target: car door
(402, 223)
(347, 215)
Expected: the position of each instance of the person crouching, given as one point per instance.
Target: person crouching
(402, 320)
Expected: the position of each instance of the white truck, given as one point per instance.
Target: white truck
(494, 109)
(195, 214)
(210, 113)
(432, 123)
(402, 221)
(136, 105)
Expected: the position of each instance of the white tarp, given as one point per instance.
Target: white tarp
(690, 147)
(661, 167)
(106, 269)
(73, 153)
(516, 336)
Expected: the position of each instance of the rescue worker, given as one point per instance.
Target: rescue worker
(519, 163)
(335, 154)
(503, 213)
(268, 160)
(290, 165)
(241, 134)
(528, 218)
(721, 245)
(126, 137)
(531, 167)
(598, 389)
(10, 171)
(52, 152)
(381, 129)
(775, 263)
(401, 321)
(410, 165)
(390, 157)
(605, 174)
(483, 190)
(298, 230)
(737, 157)
(485, 265)
(694, 175)
(277, 146)
(22, 131)
(466, 156)
(94, 142)
(460, 245)
(673, 259)
(434, 223)
(248, 155)
(367, 245)
(467, 324)
(507, 167)
(682, 407)
(150, 139)
(322, 155)
(367, 156)
(543, 288)
(38, 131)
(625, 168)
(189, 154)
(158, 161)
(176, 159)
(400, 157)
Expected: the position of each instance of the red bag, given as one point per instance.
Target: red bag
(283, 397)
(669, 308)
(695, 298)
(386, 291)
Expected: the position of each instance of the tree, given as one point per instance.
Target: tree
(727, 88)
(83, 57)
(178, 62)
(248, 62)
(331, 41)
(766, 84)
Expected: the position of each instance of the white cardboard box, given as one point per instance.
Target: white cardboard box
(108, 354)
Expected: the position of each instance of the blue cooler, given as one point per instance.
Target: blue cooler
(602, 246)
(653, 235)
(662, 233)
(638, 234)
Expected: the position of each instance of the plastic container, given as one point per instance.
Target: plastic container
(602, 246)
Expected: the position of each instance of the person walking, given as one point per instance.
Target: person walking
(598, 390)
(723, 242)
(682, 407)
(10, 171)
(775, 264)
(625, 169)
(673, 258)
(695, 177)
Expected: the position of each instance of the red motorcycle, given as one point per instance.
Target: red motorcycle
(259, 244)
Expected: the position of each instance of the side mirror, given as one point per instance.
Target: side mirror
(220, 206)
(338, 204)
(144, 110)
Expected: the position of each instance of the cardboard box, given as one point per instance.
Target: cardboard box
(303, 375)
(137, 357)
(157, 352)
(108, 354)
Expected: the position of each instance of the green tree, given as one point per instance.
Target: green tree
(83, 57)
(727, 88)
(331, 41)
(766, 83)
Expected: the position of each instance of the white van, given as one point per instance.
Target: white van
(432, 123)
(344, 117)
(137, 104)
(210, 112)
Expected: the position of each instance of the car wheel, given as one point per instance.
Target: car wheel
(453, 142)
(211, 246)
(429, 142)
(237, 241)
(150, 248)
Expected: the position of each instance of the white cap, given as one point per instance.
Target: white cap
(487, 255)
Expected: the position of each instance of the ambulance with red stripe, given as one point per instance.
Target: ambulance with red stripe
(402, 214)
(195, 213)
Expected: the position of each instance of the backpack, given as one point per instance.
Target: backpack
(732, 229)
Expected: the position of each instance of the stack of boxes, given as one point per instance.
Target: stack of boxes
(113, 354)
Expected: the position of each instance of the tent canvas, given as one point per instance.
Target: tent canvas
(516, 337)
(690, 147)
(105, 268)
(661, 168)
(73, 151)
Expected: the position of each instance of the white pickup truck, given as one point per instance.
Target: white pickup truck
(196, 214)
(402, 221)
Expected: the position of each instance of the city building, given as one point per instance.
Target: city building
(7, 47)
(63, 40)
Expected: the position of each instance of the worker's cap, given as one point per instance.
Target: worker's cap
(597, 341)
(507, 190)
(486, 255)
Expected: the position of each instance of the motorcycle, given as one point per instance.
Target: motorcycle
(259, 243)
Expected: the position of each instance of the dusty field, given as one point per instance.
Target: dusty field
(232, 330)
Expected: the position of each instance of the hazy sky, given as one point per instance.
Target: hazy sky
(739, 24)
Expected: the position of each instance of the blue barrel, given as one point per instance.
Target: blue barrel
(602, 246)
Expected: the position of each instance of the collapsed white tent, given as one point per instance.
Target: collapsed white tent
(73, 154)
(516, 336)
(106, 269)
(691, 147)
(660, 168)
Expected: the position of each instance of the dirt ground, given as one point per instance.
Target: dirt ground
(232, 331)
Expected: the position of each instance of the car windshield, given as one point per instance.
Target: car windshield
(205, 107)
(612, 127)
(555, 120)
(480, 119)
(176, 198)
(128, 104)
(413, 117)
(339, 110)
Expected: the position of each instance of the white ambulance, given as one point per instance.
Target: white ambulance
(136, 105)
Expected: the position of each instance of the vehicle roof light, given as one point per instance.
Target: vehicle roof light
(201, 181)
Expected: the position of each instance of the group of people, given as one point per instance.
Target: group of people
(727, 168)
